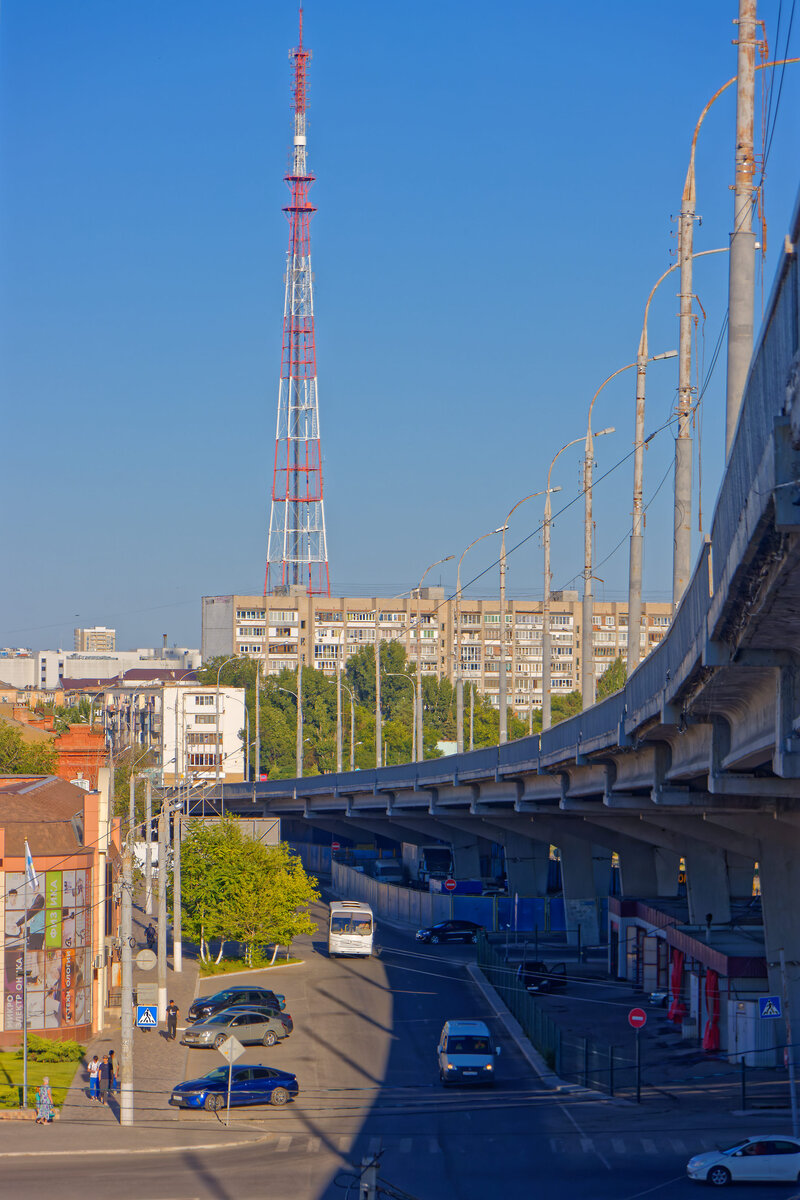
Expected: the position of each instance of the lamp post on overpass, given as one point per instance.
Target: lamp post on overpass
(420, 742)
(298, 764)
(408, 679)
(352, 727)
(459, 668)
(546, 652)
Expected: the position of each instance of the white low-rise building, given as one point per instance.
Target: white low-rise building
(202, 733)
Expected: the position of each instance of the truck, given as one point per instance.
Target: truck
(424, 863)
(387, 870)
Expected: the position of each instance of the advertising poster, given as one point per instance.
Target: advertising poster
(58, 950)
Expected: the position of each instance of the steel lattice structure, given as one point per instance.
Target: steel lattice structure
(297, 552)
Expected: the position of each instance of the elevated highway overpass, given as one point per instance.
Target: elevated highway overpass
(697, 756)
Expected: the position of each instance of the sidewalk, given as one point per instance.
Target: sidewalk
(88, 1127)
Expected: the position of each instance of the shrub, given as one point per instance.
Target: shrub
(43, 1050)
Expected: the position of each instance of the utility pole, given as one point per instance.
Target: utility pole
(741, 282)
(682, 515)
(162, 912)
(459, 667)
(126, 934)
(368, 1189)
(177, 947)
(378, 713)
(338, 716)
(472, 716)
(148, 847)
(132, 807)
(420, 721)
(258, 721)
(298, 750)
(503, 697)
(547, 653)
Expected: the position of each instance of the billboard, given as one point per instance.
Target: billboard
(58, 967)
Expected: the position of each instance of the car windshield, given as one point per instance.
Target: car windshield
(467, 1044)
(358, 925)
(732, 1149)
(218, 1075)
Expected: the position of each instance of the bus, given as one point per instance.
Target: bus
(351, 928)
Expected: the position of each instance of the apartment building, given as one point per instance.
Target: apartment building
(326, 631)
(87, 641)
(199, 729)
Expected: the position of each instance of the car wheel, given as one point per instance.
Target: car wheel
(279, 1096)
(435, 940)
(212, 1102)
(474, 939)
(719, 1176)
(269, 1038)
(219, 1040)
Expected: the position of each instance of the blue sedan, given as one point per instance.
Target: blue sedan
(249, 1085)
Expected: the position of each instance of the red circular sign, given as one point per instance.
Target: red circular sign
(637, 1017)
(335, 846)
(450, 884)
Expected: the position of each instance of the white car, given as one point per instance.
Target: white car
(768, 1159)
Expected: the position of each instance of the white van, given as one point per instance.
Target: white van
(387, 870)
(351, 928)
(466, 1053)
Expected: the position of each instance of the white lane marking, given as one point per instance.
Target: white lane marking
(344, 1144)
(405, 1145)
(314, 1144)
(374, 1145)
(619, 1145)
(587, 1145)
(582, 1133)
(649, 1146)
(283, 1144)
(677, 1145)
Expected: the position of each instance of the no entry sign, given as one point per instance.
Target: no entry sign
(637, 1017)
(450, 884)
(335, 846)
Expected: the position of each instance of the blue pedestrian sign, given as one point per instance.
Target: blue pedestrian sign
(146, 1016)
(769, 1006)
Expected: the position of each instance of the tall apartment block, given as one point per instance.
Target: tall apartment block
(326, 631)
(96, 638)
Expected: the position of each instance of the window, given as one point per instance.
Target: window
(610, 621)
(201, 700)
(329, 617)
(249, 614)
(491, 618)
(251, 631)
(204, 760)
(560, 619)
(286, 615)
(661, 621)
(468, 618)
(203, 739)
(361, 616)
(390, 617)
(205, 718)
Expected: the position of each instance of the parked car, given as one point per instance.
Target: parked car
(450, 931)
(772, 1159)
(268, 1009)
(250, 1084)
(205, 1006)
(247, 1025)
(539, 977)
(466, 1053)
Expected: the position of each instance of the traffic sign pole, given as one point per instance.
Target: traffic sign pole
(792, 1080)
(126, 1040)
(639, 1065)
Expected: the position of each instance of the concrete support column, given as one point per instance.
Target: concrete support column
(585, 873)
(647, 871)
(467, 852)
(779, 872)
(707, 887)
(527, 864)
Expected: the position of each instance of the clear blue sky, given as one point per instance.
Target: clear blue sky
(495, 191)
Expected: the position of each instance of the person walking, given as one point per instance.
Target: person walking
(44, 1103)
(112, 1072)
(104, 1079)
(172, 1020)
(94, 1079)
(150, 936)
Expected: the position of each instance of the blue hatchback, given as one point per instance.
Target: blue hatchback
(252, 1084)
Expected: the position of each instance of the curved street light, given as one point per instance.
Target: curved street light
(420, 745)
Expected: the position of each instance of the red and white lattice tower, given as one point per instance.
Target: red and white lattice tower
(297, 552)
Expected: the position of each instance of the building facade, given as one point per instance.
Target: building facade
(199, 731)
(87, 641)
(47, 669)
(326, 631)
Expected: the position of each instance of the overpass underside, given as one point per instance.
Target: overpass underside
(697, 757)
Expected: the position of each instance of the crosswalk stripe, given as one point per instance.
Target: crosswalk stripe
(649, 1146)
(619, 1145)
(344, 1144)
(283, 1144)
(314, 1144)
(556, 1145)
(374, 1145)
(677, 1145)
(587, 1145)
(405, 1145)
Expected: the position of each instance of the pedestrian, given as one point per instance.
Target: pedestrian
(44, 1103)
(172, 1020)
(112, 1072)
(150, 935)
(104, 1079)
(94, 1079)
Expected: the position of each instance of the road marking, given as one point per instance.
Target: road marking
(405, 1145)
(344, 1144)
(283, 1144)
(587, 1145)
(556, 1145)
(314, 1144)
(582, 1133)
(657, 1188)
(649, 1146)
(374, 1145)
(619, 1145)
(677, 1145)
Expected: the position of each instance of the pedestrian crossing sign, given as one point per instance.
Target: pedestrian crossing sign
(769, 1006)
(146, 1016)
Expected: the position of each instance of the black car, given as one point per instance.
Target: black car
(450, 931)
(539, 977)
(205, 1006)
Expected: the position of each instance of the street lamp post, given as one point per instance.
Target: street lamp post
(459, 669)
(420, 744)
(546, 652)
(408, 679)
(352, 727)
(503, 677)
(299, 737)
(217, 754)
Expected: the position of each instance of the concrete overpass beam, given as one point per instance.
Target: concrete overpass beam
(647, 871)
(585, 873)
(779, 872)
(707, 885)
(527, 864)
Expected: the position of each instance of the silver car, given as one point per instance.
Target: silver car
(247, 1026)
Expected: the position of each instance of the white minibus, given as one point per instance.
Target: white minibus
(351, 928)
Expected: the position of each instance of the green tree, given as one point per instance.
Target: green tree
(210, 853)
(612, 679)
(18, 757)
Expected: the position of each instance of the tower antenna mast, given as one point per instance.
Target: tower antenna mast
(297, 553)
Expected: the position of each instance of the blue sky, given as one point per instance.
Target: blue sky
(495, 186)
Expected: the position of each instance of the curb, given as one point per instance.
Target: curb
(119, 1151)
(249, 971)
(547, 1077)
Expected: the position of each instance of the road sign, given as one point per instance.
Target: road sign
(146, 960)
(769, 1006)
(637, 1017)
(335, 846)
(146, 1016)
(450, 884)
(231, 1049)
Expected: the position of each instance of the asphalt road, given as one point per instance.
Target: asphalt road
(364, 1052)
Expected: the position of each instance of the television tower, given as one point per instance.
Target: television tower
(297, 552)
